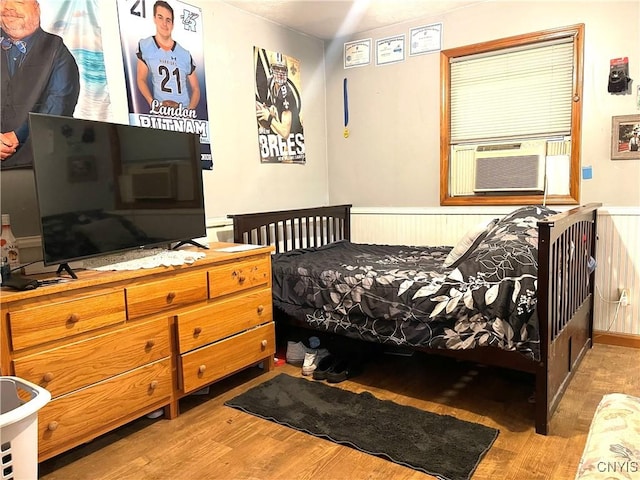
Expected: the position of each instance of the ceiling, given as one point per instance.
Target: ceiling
(328, 19)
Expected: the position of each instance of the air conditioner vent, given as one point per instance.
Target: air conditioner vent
(502, 146)
(511, 167)
(507, 174)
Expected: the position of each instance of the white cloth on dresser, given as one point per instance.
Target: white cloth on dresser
(137, 259)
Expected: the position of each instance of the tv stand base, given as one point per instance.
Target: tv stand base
(65, 267)
(189, 242)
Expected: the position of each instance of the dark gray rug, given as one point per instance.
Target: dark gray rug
(439, 445)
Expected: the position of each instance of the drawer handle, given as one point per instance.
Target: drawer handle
(150, 344)
(153, 385)
(197, 331)
(52, 426)
(73, 318)
(47, 377)
(201, 369)
(260, 309)
(171, 296)
(263, 343)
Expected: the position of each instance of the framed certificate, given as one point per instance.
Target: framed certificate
(390, 50)
(357, 54)
(425, 39)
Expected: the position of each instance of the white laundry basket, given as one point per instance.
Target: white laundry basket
(19, 427)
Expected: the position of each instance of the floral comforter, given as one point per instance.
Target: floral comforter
(402, 295)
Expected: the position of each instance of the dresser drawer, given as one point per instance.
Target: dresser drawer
(76, 418)
(222, 319)
(239, 276)
(62, 319)
(64, 369)
(215, 361)
(164, 295)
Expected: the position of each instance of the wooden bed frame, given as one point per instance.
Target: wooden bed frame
(566, 252)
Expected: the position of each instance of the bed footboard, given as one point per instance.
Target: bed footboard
(566, 263)
(290, 229)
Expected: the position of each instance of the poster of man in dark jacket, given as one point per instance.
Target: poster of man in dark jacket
(39, 74)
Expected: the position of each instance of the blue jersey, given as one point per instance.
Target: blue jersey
(169, 70)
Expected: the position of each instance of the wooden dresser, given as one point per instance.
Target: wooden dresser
(113, 346)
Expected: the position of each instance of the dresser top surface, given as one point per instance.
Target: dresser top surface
(218, 253)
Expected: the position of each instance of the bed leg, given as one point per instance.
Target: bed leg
(542, 401)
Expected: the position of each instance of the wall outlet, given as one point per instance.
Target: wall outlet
(624, 297)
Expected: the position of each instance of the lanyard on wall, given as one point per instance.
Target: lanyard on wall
(346, 108)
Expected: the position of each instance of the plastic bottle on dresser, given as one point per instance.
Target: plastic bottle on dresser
(8, 244)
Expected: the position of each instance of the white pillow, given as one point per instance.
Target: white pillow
(468, 243)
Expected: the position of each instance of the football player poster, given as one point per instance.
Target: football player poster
(278, 107)
(162, 48)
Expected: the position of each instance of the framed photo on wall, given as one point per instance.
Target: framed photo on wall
(625, 137)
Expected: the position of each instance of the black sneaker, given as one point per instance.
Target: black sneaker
(343, 369)
(324, 366)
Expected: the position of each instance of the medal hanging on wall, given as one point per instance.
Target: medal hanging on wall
(346, 109)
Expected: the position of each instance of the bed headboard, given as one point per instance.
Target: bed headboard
(290, 229)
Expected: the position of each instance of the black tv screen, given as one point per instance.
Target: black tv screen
(104, 188)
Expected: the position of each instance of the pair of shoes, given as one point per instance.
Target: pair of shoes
(312, 359)
(344, 368)
(296, 352)
(324, 365)
(336, 369)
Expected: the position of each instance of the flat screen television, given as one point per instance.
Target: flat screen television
(104, 188)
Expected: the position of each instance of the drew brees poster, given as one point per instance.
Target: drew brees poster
(278, 107)
(162, 48)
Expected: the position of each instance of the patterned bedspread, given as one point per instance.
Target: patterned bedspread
(403, 295)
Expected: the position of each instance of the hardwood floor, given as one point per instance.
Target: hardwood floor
(211, 441)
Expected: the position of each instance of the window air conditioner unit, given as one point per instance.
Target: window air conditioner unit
(510, 167)
(154, 182)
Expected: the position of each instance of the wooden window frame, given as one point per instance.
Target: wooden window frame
(573, 198)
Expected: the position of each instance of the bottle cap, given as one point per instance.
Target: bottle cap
(5, 219)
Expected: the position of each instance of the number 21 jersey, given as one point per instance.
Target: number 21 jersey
(169, 70)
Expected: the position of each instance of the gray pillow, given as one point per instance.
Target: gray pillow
(468, 243)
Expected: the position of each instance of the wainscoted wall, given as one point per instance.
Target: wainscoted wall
(418, 226)
(219, 230)
(618, 249)
(618, 267)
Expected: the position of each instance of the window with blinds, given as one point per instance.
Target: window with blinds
(524, 89)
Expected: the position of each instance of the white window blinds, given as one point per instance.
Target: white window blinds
(514, 93)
